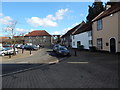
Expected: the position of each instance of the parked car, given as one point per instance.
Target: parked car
(7, 51)
(62, 51)
(7, 45)
(22, 47)
(18, 45)
(31, 47)
(55, 47)
(3, 51)
(10, 50)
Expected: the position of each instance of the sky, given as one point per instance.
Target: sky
(54, 17)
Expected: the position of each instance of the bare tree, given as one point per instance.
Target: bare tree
(11, 30)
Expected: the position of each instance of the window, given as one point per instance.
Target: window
(73, 43)
(89, 33)
(99, 25)
(90, 42)
(44, 36)
(99, 43)
(73, 37)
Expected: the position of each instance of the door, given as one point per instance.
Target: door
(78, 44)
(112, 45)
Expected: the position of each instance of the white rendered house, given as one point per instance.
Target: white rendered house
(82, 36)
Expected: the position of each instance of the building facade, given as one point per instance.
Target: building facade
(67, 37)
(106, 29)
(82, 36)
(38, 37)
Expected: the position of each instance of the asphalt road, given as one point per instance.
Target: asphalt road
(10, 68)
(86, 70)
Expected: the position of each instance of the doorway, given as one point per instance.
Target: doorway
(112, 45)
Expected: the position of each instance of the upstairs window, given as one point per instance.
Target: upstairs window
(89, 34)
(99, 24)
(73, 37)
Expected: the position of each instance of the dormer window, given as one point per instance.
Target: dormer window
(99, 24)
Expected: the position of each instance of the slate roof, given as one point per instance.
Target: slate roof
(72, 30)
(85, 27)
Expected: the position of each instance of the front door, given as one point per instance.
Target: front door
(112, 45)
(78, 44)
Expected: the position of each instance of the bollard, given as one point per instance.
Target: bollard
(75, 53)
(30, 51)
(22, 50)
(9, 56)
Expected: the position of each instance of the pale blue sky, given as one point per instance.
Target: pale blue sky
(54, 17)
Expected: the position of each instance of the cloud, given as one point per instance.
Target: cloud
(5, 20)
(7, 28)
(60, 13)
(21, 30)
(75, 24)
(82, 15)
(56, 33)
(67, 29)
(1, 14)
(48, 21)
(64, 30)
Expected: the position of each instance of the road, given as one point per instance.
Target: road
(86, 70)
(45, 56)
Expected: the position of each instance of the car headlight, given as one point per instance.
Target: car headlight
(60, 51)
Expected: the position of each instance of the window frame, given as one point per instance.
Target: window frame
(99, 43)
(99, 25)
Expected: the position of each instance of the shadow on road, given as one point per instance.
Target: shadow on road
(54, 54)
(8, 68)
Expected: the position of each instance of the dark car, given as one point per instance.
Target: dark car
(31, 47)
(7, 45)
(55, 47)
(62, 51)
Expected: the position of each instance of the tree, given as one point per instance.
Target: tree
(94, 10)
(10, 28)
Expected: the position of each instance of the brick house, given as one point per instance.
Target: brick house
(38, 37)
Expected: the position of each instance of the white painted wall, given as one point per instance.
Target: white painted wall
(84, 38)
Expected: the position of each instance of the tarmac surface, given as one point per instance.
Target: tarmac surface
(86, 70)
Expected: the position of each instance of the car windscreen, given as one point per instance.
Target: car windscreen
(63, 48)
(7, 48)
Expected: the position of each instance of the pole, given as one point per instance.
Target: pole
(75, 52)
(22, 50)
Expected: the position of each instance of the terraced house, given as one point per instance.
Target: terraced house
(106, 29)
(67, 37)
(38, 37)
(82, 36)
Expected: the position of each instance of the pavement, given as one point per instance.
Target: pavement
(86, 70)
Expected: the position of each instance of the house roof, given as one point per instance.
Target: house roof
(38, 33)
(114, 8)
(72, 30)
(18, 36)
(85, 27)
(3, 38)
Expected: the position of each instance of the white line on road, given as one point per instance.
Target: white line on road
(77, 62)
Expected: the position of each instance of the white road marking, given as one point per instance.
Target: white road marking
(21, 62)
(77, 62)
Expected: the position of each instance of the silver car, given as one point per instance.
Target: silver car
(3, 51)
